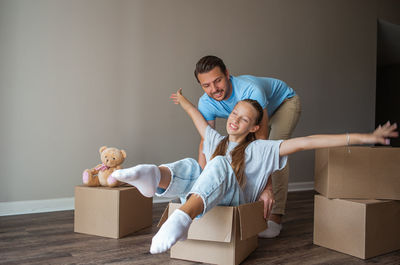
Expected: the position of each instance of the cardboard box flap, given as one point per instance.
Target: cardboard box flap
(367, 201)
(164, 217)
(215, 225)
(252, 220)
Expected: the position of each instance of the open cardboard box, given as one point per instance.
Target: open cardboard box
(224, 235)
(111, 212)
(358, 172)
(361, 228)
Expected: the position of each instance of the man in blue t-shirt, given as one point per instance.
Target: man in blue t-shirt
(281, 112)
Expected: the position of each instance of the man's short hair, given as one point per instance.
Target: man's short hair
(207, 63)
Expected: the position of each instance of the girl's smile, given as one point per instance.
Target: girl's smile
(233, 126)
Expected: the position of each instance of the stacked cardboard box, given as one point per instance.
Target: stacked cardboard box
(350, 215)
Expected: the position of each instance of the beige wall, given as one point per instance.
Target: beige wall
(76, 75)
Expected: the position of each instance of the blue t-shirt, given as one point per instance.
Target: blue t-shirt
(262, 159)
(269, 92)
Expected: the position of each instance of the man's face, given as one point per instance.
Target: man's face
(215, 83)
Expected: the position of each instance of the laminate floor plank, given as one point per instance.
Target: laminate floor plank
(49, 238)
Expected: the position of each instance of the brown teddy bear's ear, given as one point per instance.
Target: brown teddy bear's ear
(102, 149)
(123, 154)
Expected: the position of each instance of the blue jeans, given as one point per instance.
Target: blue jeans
(216, 184)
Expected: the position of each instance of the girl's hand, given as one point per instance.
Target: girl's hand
(382, 134)
(176, 97)
(199, 122)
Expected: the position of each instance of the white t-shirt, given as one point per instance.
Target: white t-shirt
(262, 159)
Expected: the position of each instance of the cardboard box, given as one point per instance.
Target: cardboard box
(362, 173)
(361, 228)
(111, 212)
(224, 235)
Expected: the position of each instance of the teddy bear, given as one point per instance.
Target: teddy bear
(111, 159)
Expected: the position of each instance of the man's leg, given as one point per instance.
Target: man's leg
(282, 124)
(217, 185)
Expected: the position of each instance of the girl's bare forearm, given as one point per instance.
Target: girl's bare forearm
(335, 140)
(322, 141)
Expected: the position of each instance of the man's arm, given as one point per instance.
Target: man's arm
(267, 196)
(202, 158)
(263, 132)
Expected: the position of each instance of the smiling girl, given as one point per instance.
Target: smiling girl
(237, 170)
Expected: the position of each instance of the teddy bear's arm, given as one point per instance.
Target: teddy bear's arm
(96, 169)
(90, 178)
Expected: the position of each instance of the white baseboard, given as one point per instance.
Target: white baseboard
(64, 204)
(162, 200)
(36, 206)
(301, 186)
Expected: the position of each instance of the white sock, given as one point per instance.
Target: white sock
(144, 177)
(273, 230)
(173, 230)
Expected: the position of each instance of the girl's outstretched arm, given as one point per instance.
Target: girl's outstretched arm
(199, 122)
(381, 135)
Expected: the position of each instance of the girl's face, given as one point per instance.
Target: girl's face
(242, 120)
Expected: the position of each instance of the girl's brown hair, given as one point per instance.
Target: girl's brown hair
(238, 153)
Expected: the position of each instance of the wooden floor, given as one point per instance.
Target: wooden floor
(48, 238)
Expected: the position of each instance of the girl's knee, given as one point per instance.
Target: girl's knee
(219, 165)
(219, 159)
(190, 160)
